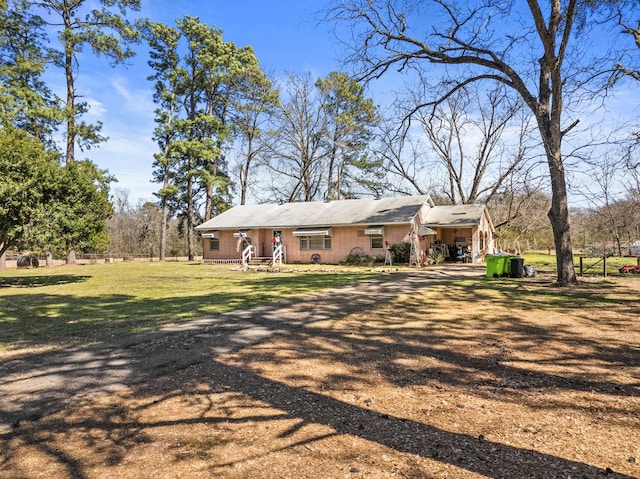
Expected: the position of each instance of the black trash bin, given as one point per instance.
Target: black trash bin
(517, 267)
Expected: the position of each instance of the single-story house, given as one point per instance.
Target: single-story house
(327, 232)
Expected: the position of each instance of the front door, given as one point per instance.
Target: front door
(276, 240)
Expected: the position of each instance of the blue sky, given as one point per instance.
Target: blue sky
(286, 35)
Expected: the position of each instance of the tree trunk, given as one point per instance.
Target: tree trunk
(3, 261)
(559, 217)
(208, 204)
(244, 181)
(210, 187)
(163, 229)
(49, 258)
(71, 95)
(548, 112)
(70, 112)
(190, 220)
(71, 256)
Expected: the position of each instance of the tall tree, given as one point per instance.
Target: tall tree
(256, 103)
(467, 137)
(318, 148)
(207, 65)
(350, 120)
(164, 60)
(296, 149)
(102, 26)
(199, 82)
(534, 51)
(25, 100)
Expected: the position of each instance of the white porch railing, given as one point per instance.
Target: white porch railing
(247, 254)
(278, 255)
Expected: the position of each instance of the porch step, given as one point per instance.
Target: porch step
(260, 261)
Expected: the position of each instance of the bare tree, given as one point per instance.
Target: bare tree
(295, 152)
(470, 148)
(532, 51)
(519, 218)
(622, 67)
(255, 107)
(404, 158)
(468, 136)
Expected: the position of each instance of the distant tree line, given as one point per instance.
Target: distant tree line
(135, 231)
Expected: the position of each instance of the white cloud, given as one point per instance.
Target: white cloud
(121, 89)
(96, 108)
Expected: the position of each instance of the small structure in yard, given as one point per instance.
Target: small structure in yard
(27, 261)
(328, 231)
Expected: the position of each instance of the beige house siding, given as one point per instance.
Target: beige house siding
(343, 241)
(227, 247)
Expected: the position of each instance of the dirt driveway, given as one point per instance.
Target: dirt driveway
(346, 383)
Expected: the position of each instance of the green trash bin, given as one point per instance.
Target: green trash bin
(506, 267)
(498, 265)
(493, 265)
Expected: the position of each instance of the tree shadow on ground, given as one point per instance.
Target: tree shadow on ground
(39, 281)
(54, 320)
(188, 361)
(111, 434)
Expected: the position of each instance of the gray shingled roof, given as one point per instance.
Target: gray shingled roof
(399, 210)
(455, 215)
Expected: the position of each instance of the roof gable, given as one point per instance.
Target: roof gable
(455, 215)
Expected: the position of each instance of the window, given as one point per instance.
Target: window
(315, 242)
(214, 244)
(376, 241)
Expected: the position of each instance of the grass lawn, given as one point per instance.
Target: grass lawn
(51, 307)
(592, 266)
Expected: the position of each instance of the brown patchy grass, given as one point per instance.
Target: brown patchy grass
(476, 379)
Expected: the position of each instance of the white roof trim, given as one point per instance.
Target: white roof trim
(313, 232)
(424, 230)
(374, 230)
